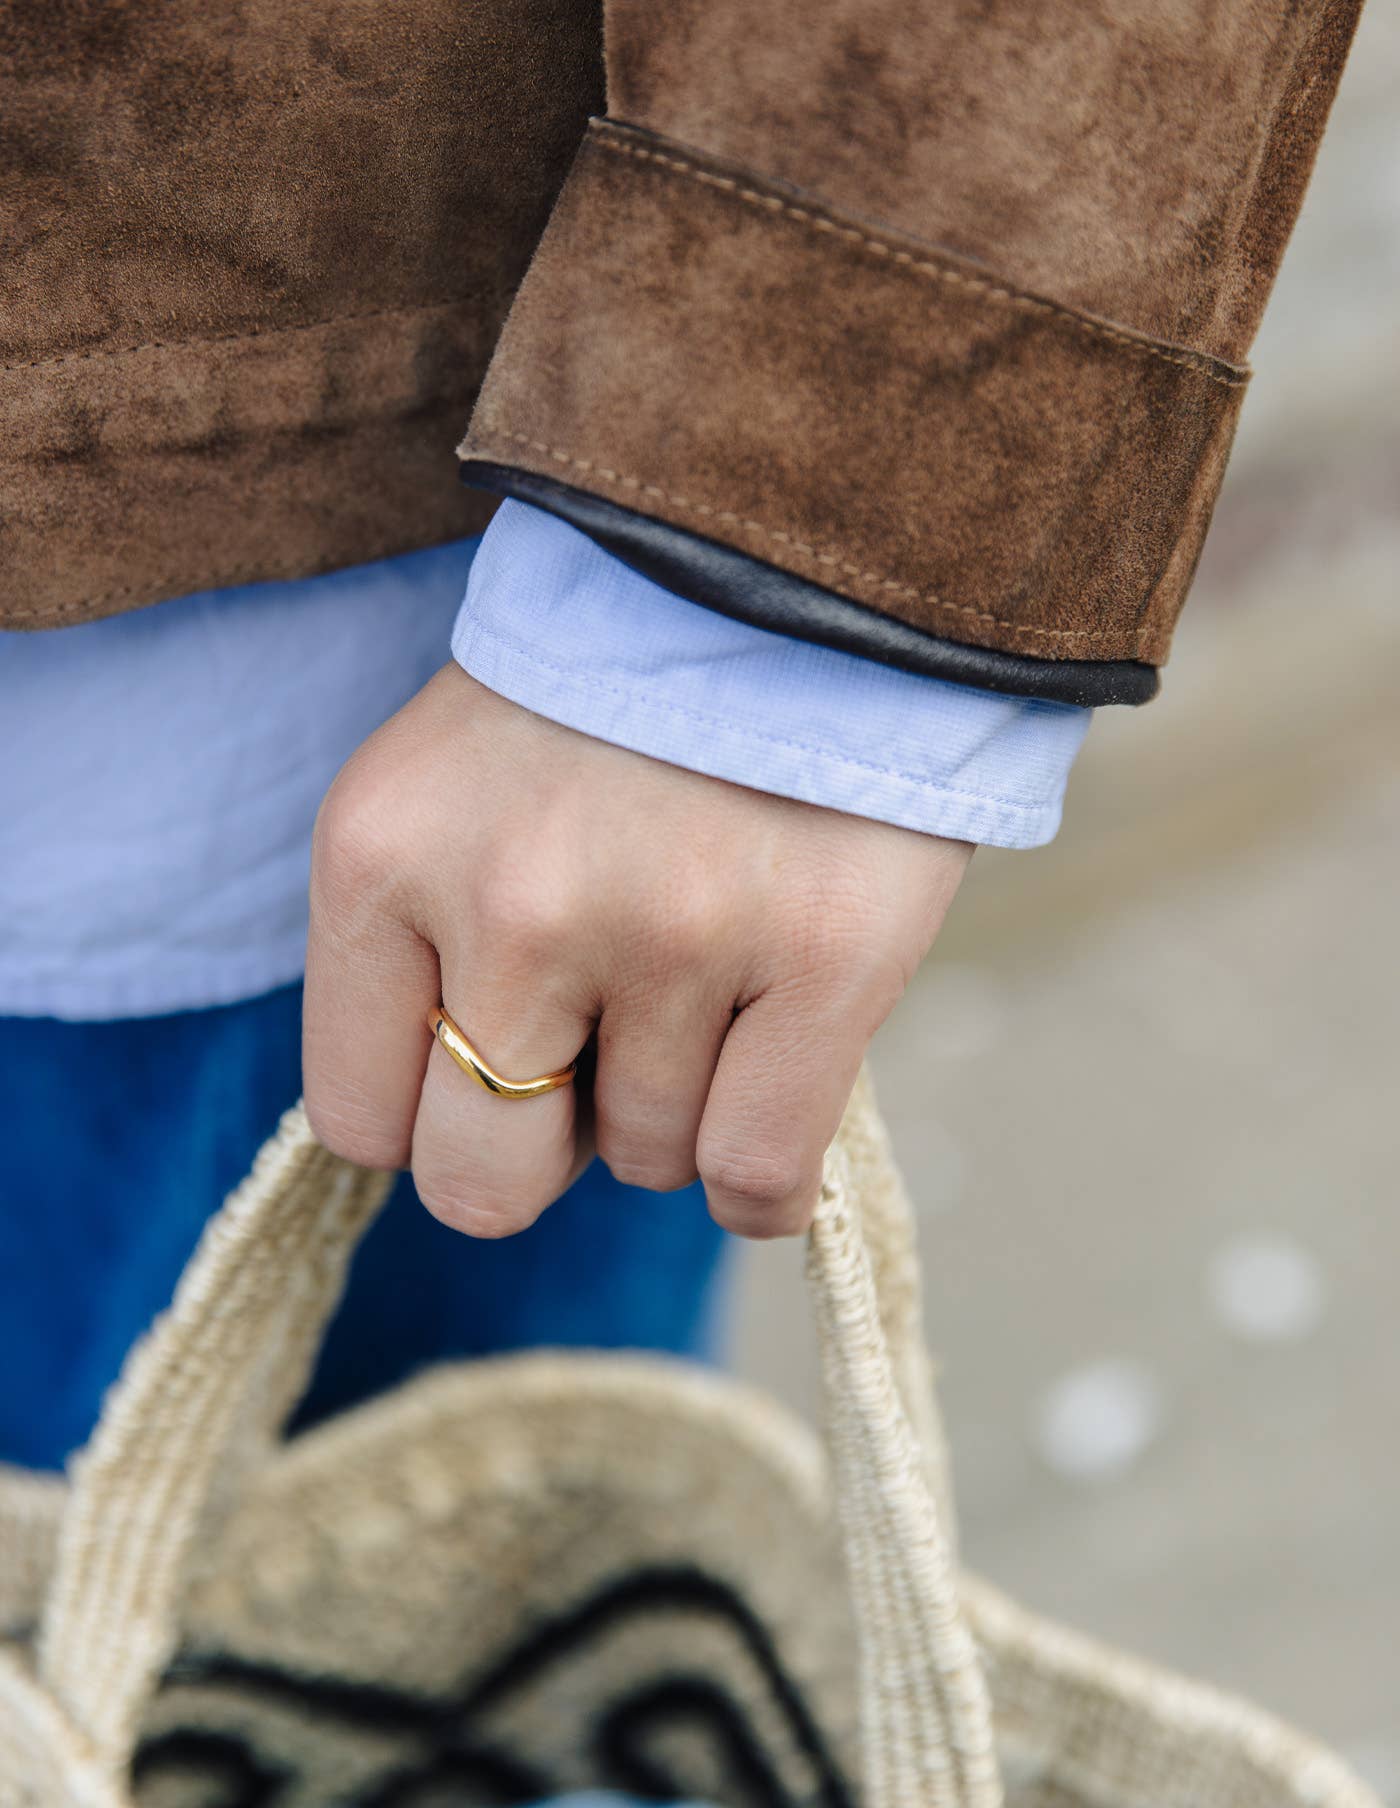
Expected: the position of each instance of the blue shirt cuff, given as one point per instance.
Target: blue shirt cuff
(560, 626)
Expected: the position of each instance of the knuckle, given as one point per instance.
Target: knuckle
(658, 1169)
(521, 904)
(474, 1206)
(813, 953)
(353, 856)
(353, 1133)
(688, 929)
(885, 977)
(751, 1187)
(832, 944)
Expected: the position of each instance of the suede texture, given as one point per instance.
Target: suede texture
(1138, 159)
(942, 307)
(857, 409)
(256, 258)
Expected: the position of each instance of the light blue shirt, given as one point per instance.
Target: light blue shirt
(555, 623)
(160, 772)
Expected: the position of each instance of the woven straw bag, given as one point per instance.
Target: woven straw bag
(512, 1578)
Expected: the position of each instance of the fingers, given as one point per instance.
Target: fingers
(540, 885)
(370, 980)
(488, 1165)
(391, 936)
(845, 946)
(783, 1078)
(656, 1059)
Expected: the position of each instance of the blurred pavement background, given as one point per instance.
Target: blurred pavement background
(1147, 1089)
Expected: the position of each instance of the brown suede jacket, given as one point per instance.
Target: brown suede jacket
(916, 327)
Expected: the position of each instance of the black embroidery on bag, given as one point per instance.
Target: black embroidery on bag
(621, 1740)
(220, 1758)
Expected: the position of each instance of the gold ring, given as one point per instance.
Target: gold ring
(446, 1032)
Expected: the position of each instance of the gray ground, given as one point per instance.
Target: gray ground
(1148, 1088)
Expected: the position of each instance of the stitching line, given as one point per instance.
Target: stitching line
(270, 332)
(921, 266)
(23, 621)
(245, 574)
(731, 519)
(540, 663)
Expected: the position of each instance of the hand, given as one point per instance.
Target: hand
(734, 952)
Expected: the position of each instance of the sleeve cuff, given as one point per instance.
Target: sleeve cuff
(905, 429)
(556, 624)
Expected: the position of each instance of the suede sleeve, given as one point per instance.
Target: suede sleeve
(918, 326)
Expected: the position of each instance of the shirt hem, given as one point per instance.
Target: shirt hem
(154, 992)
(744, 756)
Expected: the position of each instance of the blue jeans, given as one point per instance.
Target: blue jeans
(117, 1140)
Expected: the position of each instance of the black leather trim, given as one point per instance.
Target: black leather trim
(756, 592)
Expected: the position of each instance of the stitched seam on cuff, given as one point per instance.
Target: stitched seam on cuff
(1035, 811)
(591, 468)
(1202, 363)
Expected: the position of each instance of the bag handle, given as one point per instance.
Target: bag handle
(208, 1387)
(925, 1709)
